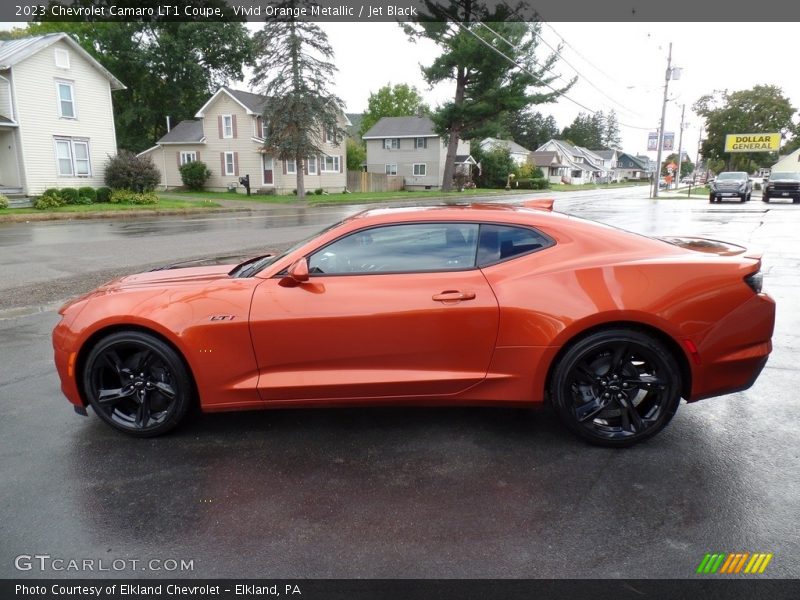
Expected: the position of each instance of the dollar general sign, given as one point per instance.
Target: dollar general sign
(752, 142)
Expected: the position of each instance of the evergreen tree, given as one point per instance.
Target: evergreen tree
(491, 59)
(611, 134)
(294, 69)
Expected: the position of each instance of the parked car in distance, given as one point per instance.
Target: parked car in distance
(782, 185)
(730, 184)
(440, 306)
(687, 179)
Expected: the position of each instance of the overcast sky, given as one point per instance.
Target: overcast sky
(620, 66)
(625, 62)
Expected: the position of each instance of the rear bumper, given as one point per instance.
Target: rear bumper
(733, 353)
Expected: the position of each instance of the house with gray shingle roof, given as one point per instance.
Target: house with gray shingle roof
(519, 154)
(227, 134)
(56, 116)
(580, 165)
(411, 148)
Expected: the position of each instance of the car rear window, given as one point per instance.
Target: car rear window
(498, 243)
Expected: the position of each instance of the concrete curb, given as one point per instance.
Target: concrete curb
(117, 214)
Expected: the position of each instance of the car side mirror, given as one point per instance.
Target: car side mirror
(299, 271)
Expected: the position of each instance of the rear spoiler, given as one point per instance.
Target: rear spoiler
(540, 204)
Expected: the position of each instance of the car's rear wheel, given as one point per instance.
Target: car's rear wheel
(765, 199)
(711, 198)
(137, 383)
(616, 387)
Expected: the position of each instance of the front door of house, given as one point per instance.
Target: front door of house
(266, 164)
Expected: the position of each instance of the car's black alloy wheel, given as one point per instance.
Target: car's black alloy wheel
(137, 383)
(616, 387)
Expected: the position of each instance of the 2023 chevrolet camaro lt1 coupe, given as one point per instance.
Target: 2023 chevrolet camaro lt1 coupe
(448, 305)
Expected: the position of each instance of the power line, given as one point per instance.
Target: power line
(526, 70)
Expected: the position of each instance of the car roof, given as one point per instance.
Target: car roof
(456, 212)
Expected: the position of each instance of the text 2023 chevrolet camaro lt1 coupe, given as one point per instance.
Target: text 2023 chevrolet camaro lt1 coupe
(449, 305)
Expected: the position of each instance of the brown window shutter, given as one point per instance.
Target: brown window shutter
(222, 163)
(305, 167)
(259, 127)
(197, 154)
(178, 156)
(219, 125)
(233, 124)
(341, 164)
(284, 166)
(236, 162)
(324, 135)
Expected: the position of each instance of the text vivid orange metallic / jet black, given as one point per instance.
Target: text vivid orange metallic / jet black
(448, 305)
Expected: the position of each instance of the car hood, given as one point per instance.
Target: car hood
(172, 276)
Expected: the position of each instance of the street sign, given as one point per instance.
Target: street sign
(752, 142)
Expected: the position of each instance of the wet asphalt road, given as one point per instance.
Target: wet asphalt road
(392, 492)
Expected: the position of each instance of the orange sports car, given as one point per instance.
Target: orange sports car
(446, 305)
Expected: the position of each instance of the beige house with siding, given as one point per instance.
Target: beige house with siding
(56, 115)
(227, 135)
(410, 146)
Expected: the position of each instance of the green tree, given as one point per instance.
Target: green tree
(356, 155)
(294, 69)
(530, 129)
(611, 134)
(492, 62)
(401, 100)
(495, 166)
(587, 131)
(762, 109)
(687, 166)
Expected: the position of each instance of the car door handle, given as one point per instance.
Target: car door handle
(453, 296)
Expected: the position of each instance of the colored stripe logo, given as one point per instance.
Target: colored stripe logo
(734, 563)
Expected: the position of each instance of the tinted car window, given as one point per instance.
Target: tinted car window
(400, 249)
(501, 242)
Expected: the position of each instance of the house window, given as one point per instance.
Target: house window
(291, 166)
(263, 129)
(420, 169)
(420, 143)
(391, 169)
(72, 157)
(227, 126)
(311, 163)
(66, 99)
(391, 143)
(331, 135)
(576, 174)
(187, 157)
(330, 164)
(62, 58)
(230, 164)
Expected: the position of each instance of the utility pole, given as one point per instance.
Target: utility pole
(661, 127)
(680, 146)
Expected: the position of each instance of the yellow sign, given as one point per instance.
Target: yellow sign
(752, 142)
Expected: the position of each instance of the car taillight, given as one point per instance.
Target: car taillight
(755, 281)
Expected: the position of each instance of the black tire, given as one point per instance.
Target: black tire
(137, 383)
(742, 198)
(616, 387)
(765, 199)
(711, 199)
(749, 196)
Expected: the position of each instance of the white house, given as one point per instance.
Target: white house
(576, 165)
(788, 164)
(519, 154)
(56, 115)
(227, 134)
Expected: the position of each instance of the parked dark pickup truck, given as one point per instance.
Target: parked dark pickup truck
(731, 184)
(782, 185)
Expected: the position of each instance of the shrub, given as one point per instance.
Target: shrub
(52, 192)
(47, 201)
(194, 174)
(68, 195)
(319, 191)
(3, 201)
(87, 195)
(131, 197)
(130, 172)
(103, 194)
(535, 183)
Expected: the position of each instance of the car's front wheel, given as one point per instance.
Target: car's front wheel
(765, 199)
(137, 383)
(711, 199)
(616, 387)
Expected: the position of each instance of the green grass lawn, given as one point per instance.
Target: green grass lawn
(163, 204)
(568, 187)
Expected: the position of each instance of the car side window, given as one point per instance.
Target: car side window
(502, 242)
(406, 248)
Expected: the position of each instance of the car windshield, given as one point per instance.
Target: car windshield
(734, 175)
(795, 176)
(250, 267)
